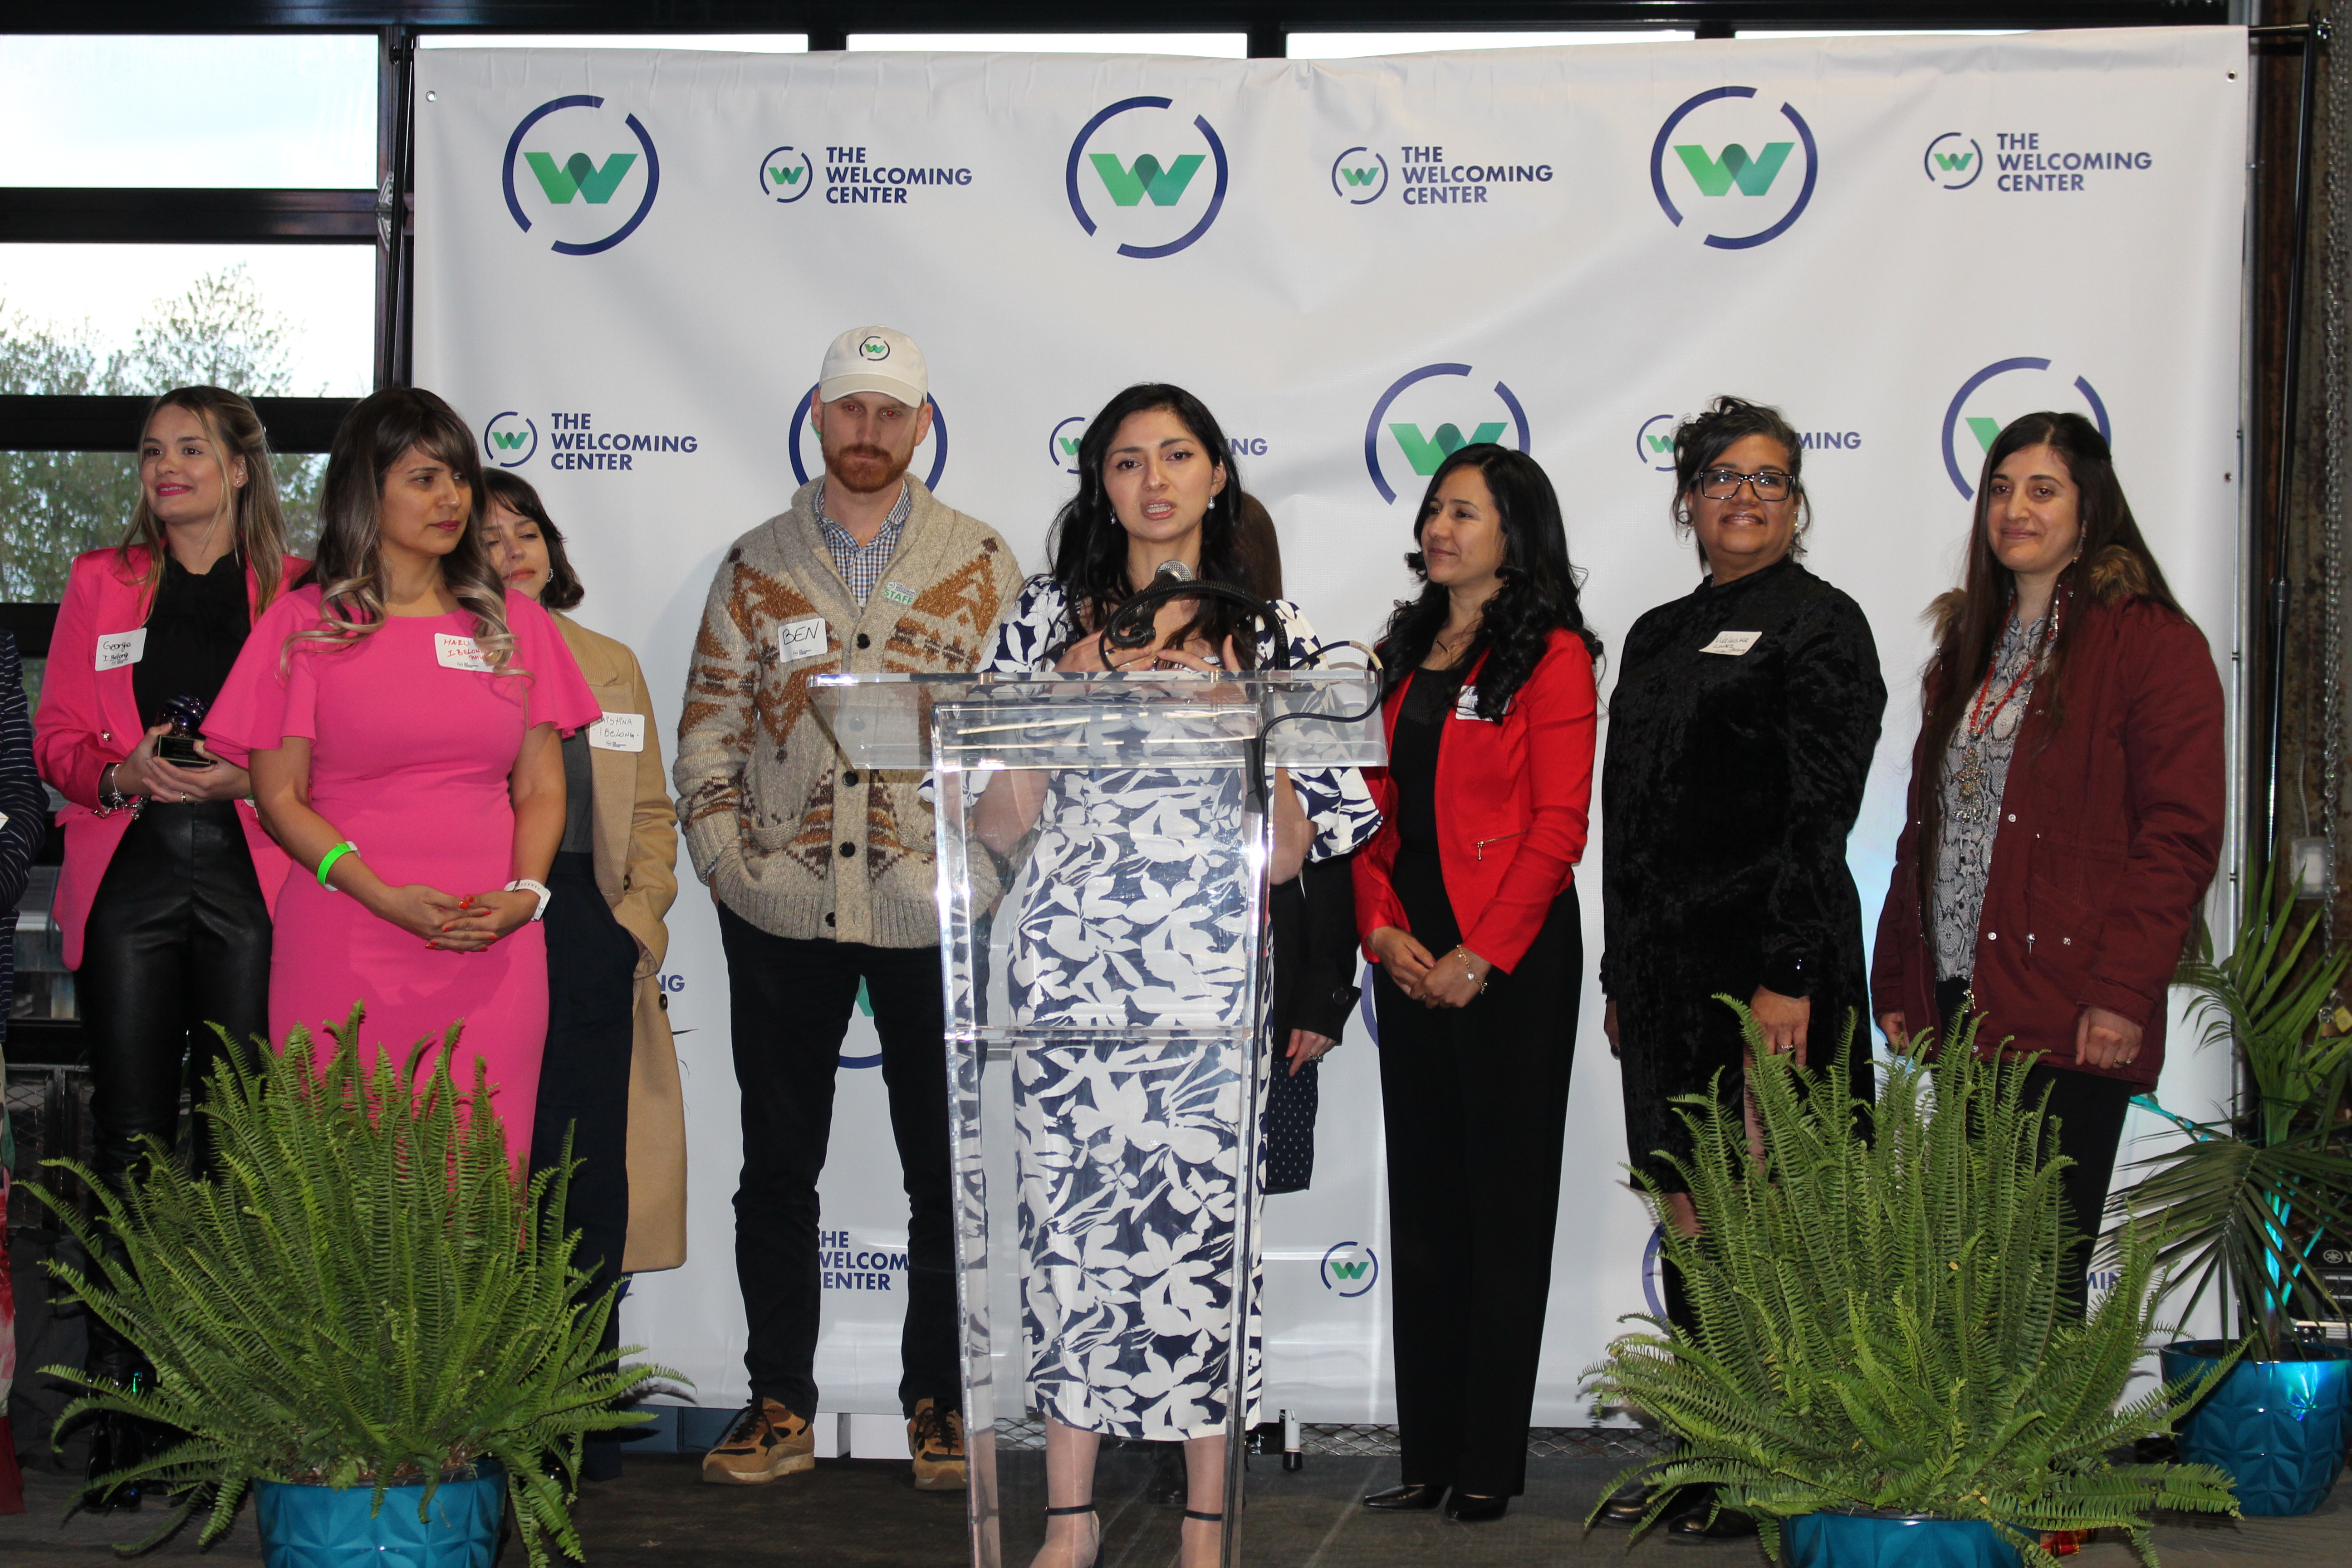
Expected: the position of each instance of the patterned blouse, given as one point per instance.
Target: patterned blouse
(1975, 773)
(1040, 624)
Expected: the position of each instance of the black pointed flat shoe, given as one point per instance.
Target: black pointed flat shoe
(1626, 1505)
(1468, 1507)
(1727, 1524)
(1413, 1497)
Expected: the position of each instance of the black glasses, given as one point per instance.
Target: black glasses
(1722, 484)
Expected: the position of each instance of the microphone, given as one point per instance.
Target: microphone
(1172, 571)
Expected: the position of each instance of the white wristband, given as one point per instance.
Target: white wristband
(525, 884)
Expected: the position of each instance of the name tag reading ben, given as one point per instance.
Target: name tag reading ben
(1732, 643)
(800, 640)
(456, 652)
(618, 732)
(117, 648)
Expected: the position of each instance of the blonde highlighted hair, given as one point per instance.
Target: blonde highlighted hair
(350, 570)
(234, 431)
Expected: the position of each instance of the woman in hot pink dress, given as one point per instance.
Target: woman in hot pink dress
(402, 712)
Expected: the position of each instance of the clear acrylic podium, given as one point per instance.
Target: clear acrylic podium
(1102, 883)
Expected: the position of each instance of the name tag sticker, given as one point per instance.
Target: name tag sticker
(1732, 643)
(117, 648)
(1466, 705)
(800, 640)
(618, 732)
(456, 652)
(898, 593)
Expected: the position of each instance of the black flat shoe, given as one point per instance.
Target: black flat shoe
(1728, 1524)
(1413, 1497)
(1626, 1505)
(1468, 1507)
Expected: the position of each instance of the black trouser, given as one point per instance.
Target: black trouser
(2090, 1112)
(789, 1005)
(178, 940)
(1476, 1104)
(583, 1085)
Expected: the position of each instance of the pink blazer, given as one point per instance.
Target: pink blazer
(89, 716)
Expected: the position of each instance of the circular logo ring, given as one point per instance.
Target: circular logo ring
(1372, 425)
(653, 175)
(1054, 443)
(1372, 196)
(938, 439)
(1372, 1274)
(488, 444)
(1216, 198)
(1643, 450)
(1927, 161)
(1804, 195)
(808, 170)
(2002, 367)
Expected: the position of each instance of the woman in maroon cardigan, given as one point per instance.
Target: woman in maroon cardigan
(1466, 899)
(2057, 845)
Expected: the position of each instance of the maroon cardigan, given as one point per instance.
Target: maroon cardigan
(2110, 826)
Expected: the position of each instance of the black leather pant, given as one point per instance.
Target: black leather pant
(178, 940)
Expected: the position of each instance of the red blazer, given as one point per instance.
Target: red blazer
(1513, 808)
(2110, 827)
(90, 717)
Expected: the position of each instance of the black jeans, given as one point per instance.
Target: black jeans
(178, 940)
(584, 1086)
(2090, 1112)
(789, 1005)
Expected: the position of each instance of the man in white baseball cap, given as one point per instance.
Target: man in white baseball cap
(824, 878)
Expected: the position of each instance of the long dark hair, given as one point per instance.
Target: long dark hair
(2112, 562)
(257, 517)
(350, 570)
(518, 496)
(1088, 547)
(1703, 438)
(1538, 590)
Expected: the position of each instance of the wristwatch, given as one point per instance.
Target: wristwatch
(525, 884)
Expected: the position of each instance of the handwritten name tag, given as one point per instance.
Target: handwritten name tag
(800, 640)
(117, 648)
(618, 732)
(1732, 643)
(456, 652)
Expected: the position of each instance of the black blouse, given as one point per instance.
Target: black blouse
(1413, 754)
(194, 632)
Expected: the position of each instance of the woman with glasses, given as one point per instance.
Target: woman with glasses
(2055, 849)
(1741, 732)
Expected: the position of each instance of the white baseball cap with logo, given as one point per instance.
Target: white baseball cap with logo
(874, 358)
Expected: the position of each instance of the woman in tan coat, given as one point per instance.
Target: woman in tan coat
(610, 1079)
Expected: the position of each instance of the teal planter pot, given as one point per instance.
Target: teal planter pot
(1870, 1540)
(2278, 1427)
(319, 1527)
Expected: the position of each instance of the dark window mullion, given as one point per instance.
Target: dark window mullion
(38, 423)
(67, 215)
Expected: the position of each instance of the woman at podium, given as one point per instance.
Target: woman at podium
(1130, 944)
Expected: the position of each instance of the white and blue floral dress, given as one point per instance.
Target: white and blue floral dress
(1131, 931)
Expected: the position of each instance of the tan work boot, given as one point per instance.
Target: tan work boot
(935, 1437)
(766, 1441)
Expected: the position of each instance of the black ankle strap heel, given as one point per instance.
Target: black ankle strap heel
(1204, 1518)
(1082, 1507)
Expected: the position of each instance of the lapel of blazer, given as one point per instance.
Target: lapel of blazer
(615, 774)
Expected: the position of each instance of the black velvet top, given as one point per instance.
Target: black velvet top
(1731, 781)
(195, 632)
(1413, 754)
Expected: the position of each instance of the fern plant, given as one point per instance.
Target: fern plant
(363, 1293)
(2246, 1200)
(1881, 1325)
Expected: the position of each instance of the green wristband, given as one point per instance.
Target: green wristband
(327, 864)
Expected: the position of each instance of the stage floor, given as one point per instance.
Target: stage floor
(866, 1512)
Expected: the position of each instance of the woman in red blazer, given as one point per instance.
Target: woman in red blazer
(2066, 799)
(164, 901)
(1467, 900)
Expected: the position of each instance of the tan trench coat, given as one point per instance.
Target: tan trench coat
(636, 870)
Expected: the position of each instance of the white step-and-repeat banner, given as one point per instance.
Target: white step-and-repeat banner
(630, 264)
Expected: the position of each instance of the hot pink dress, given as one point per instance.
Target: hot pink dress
(410, 757)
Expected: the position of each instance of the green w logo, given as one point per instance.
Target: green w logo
(509, 439)
(1352, 1271)
(1069, 445)
(789, 176)
(1425, 452)
(580, 176)
(1359, 176)
(1129, 185)
(1661, 445)
(1952, 161)
(1986, 429)
(1754, 176)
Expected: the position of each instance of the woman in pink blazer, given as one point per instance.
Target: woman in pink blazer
(164, 902)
